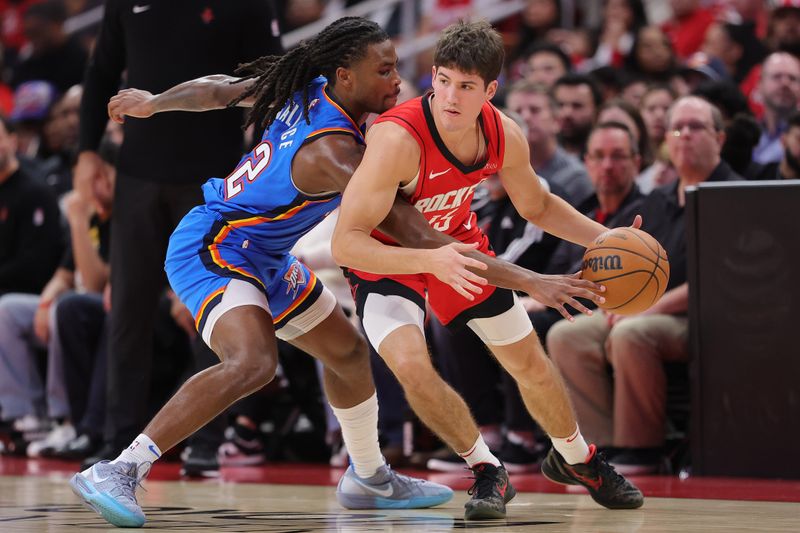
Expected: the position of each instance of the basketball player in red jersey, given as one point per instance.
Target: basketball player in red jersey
(436, 149)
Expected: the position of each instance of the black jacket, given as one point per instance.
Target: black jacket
(161, 43)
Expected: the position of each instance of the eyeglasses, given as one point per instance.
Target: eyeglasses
(616, 157)
(693, 125)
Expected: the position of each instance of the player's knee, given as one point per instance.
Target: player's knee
(414, 374)
(532, 370)
(252, 371)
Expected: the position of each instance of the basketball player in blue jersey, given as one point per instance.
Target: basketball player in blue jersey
(229, 259)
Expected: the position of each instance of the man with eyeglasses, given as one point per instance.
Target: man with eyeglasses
(787, 168)
(779, 88)
(627, 412)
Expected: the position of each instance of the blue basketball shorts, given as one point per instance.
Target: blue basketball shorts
(212, 274)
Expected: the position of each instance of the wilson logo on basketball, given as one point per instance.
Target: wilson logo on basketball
(609, 262)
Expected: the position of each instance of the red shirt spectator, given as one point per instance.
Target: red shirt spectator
(687, 28)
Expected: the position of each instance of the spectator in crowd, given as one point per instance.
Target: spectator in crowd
(619, 110)
(537, 108)
(633, 89)
(612, 160)
(783, 35)
(80, 319)
(779, 88)
(687, 27)
(578, 99)
(626, 409)
(28, 321)
(655, 103)
(60, 141)
(54, 55)
(12, 35)
(538, 18)
(621, 20)
(160, 166)
(652, 56)
(736, 46)
(545, 63)
(784, 27)
(31, 240)
(788, 168)
(32, 103)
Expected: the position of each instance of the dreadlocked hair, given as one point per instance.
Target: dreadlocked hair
(340, 44)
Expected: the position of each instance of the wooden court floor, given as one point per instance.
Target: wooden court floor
(41, 501)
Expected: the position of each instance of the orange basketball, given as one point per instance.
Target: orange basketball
(633, 267)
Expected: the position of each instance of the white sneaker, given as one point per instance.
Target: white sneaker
(57, 439)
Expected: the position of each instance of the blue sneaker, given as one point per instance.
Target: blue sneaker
(110, 491)
(387, 489)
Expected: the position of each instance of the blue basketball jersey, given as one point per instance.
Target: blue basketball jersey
(259, 201)
(253, 218)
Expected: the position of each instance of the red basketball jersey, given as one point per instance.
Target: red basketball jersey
(445, 186)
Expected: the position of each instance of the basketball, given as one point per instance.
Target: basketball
(632, 265)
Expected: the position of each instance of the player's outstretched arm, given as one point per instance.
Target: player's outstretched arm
(200, 94)
(392, 157)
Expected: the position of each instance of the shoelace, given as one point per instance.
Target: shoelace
(608, 472)
(129, 480)
(404, 479)
(484, 483)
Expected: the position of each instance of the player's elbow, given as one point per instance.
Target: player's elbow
(339, 250)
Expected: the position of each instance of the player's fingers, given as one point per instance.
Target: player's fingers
(477, 289)
(585, 284)
(474, 263)
(563, 311)
(474, 278)
(464, 246)
(588, 294)
(575, 304)
(462, 291)
(637, 222)
(577, 281)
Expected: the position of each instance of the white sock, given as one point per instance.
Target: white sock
(143, 452)
(479, 453)
(360, 436)
(573, 449)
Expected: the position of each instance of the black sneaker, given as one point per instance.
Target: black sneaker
(452, 462)
(200, 460)
(519, 459)
(605, 485)
(490, 493)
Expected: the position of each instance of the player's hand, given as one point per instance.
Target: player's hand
(131, 102)
(556, 291)
(637, 222)
(532, 305)
(449, 265)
